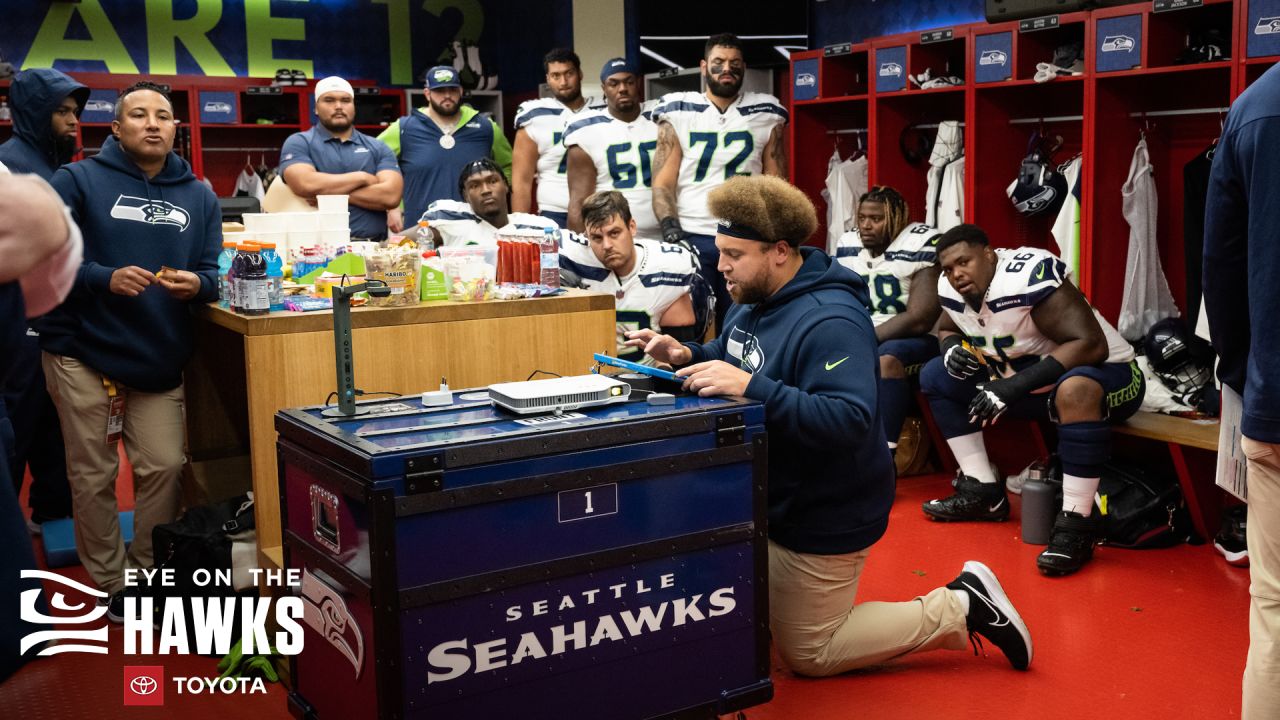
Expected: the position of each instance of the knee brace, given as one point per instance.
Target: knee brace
(1084, 447)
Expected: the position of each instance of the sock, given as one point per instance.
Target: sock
(971, 454)
(962, 597)
(895, 397)
(1077, 494)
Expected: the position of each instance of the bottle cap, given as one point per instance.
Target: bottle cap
(267, 245)
(229, 243)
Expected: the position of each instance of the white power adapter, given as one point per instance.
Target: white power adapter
(438, 398)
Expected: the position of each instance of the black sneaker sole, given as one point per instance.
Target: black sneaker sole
(1052, 571)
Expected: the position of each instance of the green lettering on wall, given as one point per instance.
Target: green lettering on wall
(261, 29)
(51, 43)
(164, 31)
(399, 41)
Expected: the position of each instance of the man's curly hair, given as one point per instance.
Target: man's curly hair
(772, 206)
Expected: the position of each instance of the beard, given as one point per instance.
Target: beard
(724, 90)
(439, 110)
(336, 126)
(64, 147)
(751, 293)
(569, 96)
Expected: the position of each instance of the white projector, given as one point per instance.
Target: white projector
(556, 395)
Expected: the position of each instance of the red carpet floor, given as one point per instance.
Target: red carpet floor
(1154, 634)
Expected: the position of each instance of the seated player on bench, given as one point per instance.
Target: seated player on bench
(897, 261)
(1017, 337)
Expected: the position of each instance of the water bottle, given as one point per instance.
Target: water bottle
(255, 298)
(1039, 505)
(6, 114)
(225, 258)
(549, 257)
(275, 276)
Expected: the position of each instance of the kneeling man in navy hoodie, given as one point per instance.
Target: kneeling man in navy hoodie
(115, 350)
(799, 339)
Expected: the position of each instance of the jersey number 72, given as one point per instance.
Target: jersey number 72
(709, 141)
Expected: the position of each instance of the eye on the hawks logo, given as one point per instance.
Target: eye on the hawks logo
(143, 685)
(68, 639)
(152, 212)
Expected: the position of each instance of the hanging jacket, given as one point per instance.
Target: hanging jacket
(34, 95)
(127, 219)
(811, 350)
(1147, 299)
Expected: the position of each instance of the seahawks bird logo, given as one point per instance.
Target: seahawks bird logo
(152, 212)
(326, 612)
(745, 348)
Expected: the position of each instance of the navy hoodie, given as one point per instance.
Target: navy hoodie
(33, 96)
(129, 219)
(812, 353)
(1242, 256)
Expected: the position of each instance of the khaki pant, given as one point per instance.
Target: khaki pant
(1262, 531)
(154, 440)
(819, 631)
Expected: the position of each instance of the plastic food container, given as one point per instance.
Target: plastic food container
(470, 271)
(398, 267)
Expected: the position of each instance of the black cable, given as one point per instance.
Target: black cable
(544, 372)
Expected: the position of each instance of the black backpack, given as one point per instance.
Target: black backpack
(202, 539)
(1142, 510)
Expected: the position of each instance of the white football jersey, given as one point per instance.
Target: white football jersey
(888, 276)
(623, 156)
(662, 275)
(715, 146)
(544, 119)
(1003, 328)
(457, 225)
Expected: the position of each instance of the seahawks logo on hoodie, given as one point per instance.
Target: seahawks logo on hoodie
(745, 348)
(152, 212)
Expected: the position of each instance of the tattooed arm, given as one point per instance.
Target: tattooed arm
(666, 171)
(775, 152)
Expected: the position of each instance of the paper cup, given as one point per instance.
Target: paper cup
(331, 203)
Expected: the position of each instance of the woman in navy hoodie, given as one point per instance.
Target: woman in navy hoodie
(115, 350)
(800, 340)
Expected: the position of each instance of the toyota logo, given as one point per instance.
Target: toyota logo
(143, 685)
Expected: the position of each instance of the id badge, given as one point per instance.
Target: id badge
(115, 413)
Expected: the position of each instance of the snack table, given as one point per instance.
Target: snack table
(245, 369)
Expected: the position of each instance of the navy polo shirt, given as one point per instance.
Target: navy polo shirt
(327, 153)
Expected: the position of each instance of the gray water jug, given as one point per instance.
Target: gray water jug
(1039, 509)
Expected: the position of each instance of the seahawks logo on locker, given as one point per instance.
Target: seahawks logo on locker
(891, 69)
(1117, 43)
(806, 80)
(152, 212)
(1267, 26)
(993, 57)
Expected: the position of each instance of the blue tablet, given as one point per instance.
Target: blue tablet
(637, 367)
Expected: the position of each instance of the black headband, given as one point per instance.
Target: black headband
(474, 167)
(745, 232)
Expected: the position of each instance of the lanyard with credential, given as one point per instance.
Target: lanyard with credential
(115, 411)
